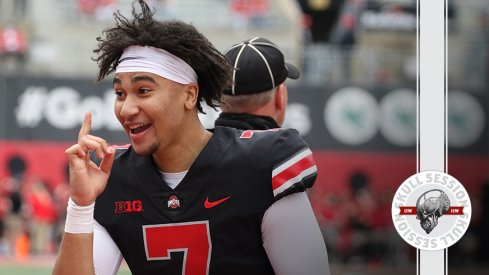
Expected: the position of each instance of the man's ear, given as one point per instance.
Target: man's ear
(191, 95)
(281, 97)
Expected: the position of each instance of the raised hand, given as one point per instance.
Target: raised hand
(87, 180)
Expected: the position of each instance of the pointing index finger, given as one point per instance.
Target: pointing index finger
(86, 126)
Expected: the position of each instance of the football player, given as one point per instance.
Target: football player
(181, 199)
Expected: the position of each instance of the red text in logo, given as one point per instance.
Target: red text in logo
(135, 206)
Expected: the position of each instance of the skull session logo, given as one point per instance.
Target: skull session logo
(428, 210)
(431, 210)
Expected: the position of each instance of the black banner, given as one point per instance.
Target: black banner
(351, 118)
(53, 109)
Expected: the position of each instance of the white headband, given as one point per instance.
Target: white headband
(157, 61)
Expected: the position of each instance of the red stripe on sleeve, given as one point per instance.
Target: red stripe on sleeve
(292, 171)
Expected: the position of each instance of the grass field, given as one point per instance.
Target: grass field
(14, 269)
(41, 265)
(23, 270)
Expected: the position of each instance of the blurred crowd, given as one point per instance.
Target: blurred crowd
(357, 225)
(32, 213)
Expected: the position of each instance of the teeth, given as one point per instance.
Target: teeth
(137, 126)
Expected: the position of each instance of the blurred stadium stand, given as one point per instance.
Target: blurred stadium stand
(61, 37)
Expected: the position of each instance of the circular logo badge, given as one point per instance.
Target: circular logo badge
(465, 121)
(431, 210)
(351, 115)
(398, 113)
(298, 117)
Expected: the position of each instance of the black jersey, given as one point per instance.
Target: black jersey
(211, 222)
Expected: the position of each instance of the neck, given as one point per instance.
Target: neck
(180, 155)
(268, 110)
(245, 121)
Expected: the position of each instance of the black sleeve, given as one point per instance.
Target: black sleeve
(294, 169)
(292, 165)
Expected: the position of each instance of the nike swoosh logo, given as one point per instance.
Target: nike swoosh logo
(208, 204)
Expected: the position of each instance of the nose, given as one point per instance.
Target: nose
(129, 107)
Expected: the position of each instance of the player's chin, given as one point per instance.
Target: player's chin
(144, 150)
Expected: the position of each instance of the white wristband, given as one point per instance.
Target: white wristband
(79, 219)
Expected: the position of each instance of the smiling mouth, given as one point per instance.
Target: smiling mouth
(140, 129)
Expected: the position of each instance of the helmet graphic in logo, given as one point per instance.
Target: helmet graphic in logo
(430, 206)
(173, 202)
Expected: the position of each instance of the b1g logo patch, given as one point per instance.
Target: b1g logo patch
(431, 210)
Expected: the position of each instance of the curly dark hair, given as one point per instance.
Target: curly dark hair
(179, 38)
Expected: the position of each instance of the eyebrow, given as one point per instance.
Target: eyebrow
(143, 78)
(117, 80)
